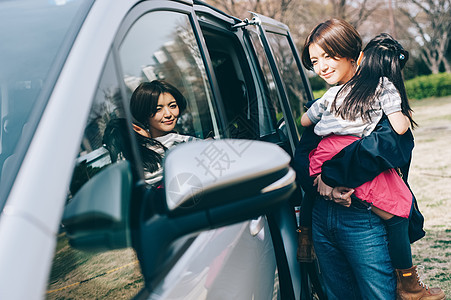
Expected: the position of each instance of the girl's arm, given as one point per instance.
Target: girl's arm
(314, 111)
(305, 120)
(399, 122)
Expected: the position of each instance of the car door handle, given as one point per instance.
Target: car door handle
(256, 225)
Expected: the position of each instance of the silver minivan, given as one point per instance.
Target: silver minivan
(76, 223)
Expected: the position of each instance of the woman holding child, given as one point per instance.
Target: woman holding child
(368, 116)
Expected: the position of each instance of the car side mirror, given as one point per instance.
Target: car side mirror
(208, 174)
(209, 184)
(97, 217)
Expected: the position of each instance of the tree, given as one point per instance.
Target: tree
(431, 21)
(356, 11)
(302, 15)
(421, 26)
(299, 15)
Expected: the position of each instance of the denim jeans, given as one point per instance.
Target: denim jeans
(351, 246)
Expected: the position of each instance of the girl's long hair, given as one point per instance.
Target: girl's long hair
(382, 57)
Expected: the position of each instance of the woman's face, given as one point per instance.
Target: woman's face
(166, 116)
(332, 69)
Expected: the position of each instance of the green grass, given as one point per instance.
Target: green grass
(436, 101)
(433, 252)
(430, 180)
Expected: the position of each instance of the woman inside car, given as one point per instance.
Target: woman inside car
(156, 106)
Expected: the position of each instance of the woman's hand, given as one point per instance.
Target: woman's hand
(341, 195)
(323, 189)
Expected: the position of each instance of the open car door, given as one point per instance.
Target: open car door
(275, 49)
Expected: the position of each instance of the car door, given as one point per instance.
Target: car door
(214, 261)
(294, 91)
(279, 59)
(255, 104)
(156, 40)
(272, 99)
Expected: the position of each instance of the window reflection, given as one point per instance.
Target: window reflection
(237, 91)
(291, 77)
(271, 108)
(32, 51)
(75, 273)
(162, 45)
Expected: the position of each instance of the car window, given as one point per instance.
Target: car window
(79, 274)
(162, 45)
(270, 110)
(292, 79)
(32, 53)
(235, 84)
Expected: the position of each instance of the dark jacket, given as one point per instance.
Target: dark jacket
(360, 162)
(366, 158)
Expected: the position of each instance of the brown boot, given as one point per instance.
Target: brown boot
(410, 286)
(305, 251)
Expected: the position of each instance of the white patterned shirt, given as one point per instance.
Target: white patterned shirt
(169, 140)
(388, 101)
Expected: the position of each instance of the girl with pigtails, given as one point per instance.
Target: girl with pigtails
(370, 89)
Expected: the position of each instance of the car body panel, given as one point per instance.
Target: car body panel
(212, 263)
(64, 118)
(216, 262)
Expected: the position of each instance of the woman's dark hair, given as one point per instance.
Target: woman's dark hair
(336, 37)
(382, 57)
(144, 100)
(152, 161)
(115, 140)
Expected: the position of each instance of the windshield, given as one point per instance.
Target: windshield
(35, 37)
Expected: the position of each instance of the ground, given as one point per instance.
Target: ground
(430, 180)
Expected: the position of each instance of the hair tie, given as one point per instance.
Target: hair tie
(401, 56)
